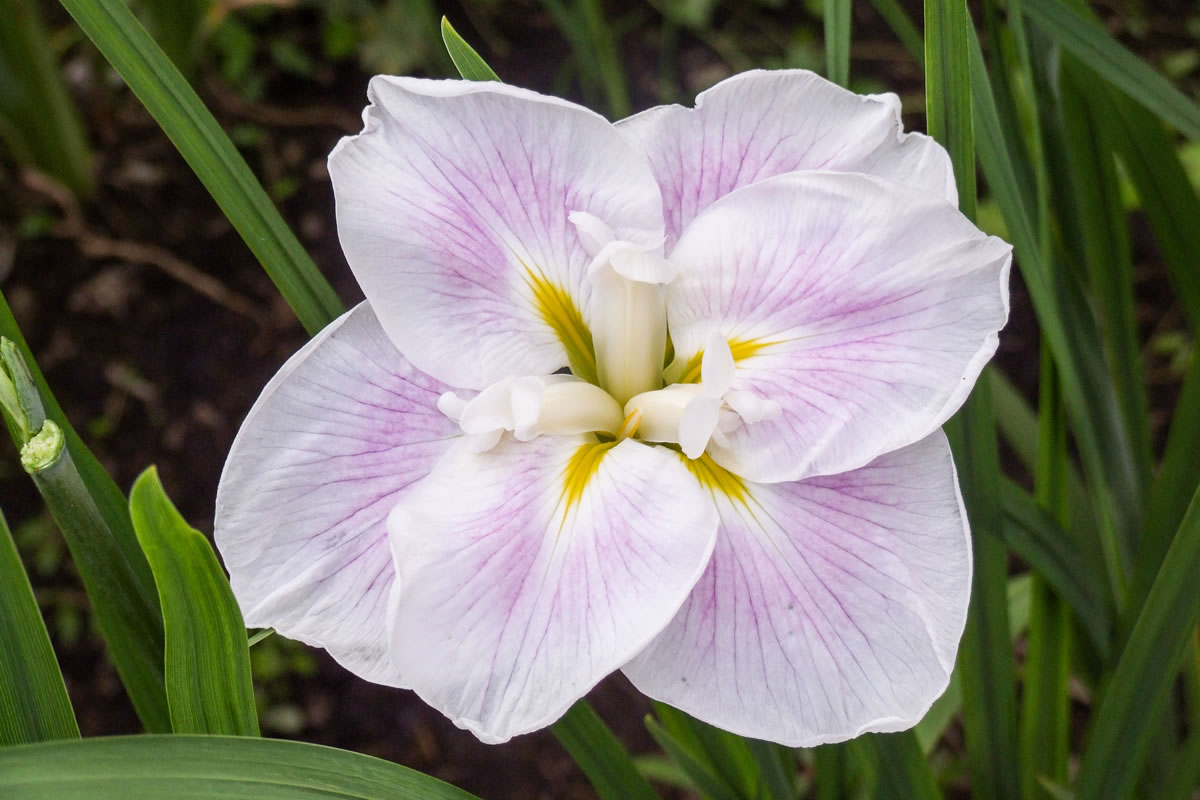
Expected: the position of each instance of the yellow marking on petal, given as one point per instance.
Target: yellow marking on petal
(741, 349)
(558, 310)
(584, 464)
(717, 479)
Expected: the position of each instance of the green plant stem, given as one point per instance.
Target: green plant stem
(1045, 700)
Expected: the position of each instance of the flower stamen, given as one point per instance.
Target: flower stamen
(630, 426)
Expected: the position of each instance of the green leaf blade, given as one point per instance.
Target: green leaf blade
(207, 659)
(1123, 724)
(34, 706)
(837, 41)
(470, 64)
(948, 91)
(1080, 35)
(93, 515)
(127, 46)
(903, 772)
(601, 755)
(184, 767)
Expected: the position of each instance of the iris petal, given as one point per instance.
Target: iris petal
(530, 572)
(452, 209)
(832, 606)
(871, 311)
(759, 124)
(333, 441)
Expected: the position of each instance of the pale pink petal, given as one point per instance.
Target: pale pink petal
(832, 606)
(759, 124)
(517, 594)
(453, 207)
(864, 310)
(301, 522)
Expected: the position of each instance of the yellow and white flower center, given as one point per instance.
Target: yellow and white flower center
(629, 336)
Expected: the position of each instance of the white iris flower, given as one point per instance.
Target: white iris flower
(740, 495)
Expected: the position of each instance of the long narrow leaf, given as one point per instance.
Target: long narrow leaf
(109, 499)
(469, 64)
(1105, 246)
(1169, 199)
(1178, 477)
(703, 776)
(1115, 64)
(176, 107)
(948, 90)
(601, 755)
(903, 772)
(1039, 540)
(207, 768)
(207, 660)
(127, 615)
(989, 702)
(989, 699)
(1117, 743)
(34, 706)
(1045, 701)
(1071, 333)
(837, 41)
(727, 755)
(38, 119)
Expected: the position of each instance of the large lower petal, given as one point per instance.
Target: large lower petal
(530, 572)
(452, 209)
(832, 606)
(864, 310)
(759, 124)
(331, 444)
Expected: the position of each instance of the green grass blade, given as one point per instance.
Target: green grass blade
(38, 120)
(207, 659)
(702, 774)
(777, 766)
(1045, 700)
(987, 682)
(1178, 477)
(178, 110)
(595, 51)
(1169, 199)
(837, 41)
(125, 607)
(34, 706)
(601, 755)
(831, 763)
(1123, 724)
(1115, 64)
(1040, 541)
(903, 772)
(1186, 779)
(469, 64)
(948, 90)
(727, 755)
(609, 62)
(989, 703)
(207, 768)
(902, 25)
(1070, 330)
(1106, 248)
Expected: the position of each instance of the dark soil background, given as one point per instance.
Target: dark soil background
(157, 329)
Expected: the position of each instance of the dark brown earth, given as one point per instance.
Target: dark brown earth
(157, 329)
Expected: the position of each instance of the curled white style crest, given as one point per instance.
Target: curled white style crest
(662, 396)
